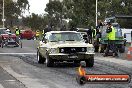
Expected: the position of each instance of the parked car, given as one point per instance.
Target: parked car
(61, 46)
(27, 34)
(7, 38)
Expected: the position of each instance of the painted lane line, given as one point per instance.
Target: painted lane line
(29, 82)
(10, 80)
(18, 53)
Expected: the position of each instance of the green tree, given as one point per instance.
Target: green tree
(82, 12)
(36, 22)
(13, 10)
(55, 12)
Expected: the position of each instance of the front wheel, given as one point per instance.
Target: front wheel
(90, 62)
(49, 61)
(40, 59)
(77, 62)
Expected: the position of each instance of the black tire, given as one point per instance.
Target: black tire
(2, 44)
(49, 61)
(122, 49)
(77, 62)
(40, 59)
(90, 62)
(105, 54)
(103, 47)
(115, 55)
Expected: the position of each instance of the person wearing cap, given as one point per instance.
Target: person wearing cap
(89, 33)
(97, 39)
(111, 40)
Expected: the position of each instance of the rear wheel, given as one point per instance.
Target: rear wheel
(90, 62)
(40, 59)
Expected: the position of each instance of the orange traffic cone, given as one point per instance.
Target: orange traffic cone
(129, 55)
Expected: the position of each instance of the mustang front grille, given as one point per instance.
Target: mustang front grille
(72, 49)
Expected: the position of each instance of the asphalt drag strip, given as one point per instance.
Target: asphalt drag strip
(62, 75)
(8, 81)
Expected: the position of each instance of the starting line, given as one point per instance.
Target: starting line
(18, 53)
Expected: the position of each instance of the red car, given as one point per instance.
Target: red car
(27, 34)
(8, 38)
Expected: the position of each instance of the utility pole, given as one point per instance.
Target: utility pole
(96, 11)
(3, 19)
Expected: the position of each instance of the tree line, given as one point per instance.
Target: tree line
(13, 10)
(80, 12)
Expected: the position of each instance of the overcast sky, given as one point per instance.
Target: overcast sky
(37, 6)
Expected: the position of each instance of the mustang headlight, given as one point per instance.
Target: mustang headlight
(62, 50)
(83, 50)
(90, 49)
(53, 50)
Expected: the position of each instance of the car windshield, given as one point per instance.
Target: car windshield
(68, 36)
(3, 31)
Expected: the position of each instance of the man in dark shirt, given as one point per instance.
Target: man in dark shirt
(89, 33)
(47, 29)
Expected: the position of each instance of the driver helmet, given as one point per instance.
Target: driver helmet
(8, 30)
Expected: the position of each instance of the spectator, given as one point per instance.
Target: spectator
(89, 33)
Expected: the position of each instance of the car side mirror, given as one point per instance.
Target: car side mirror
(44, 40)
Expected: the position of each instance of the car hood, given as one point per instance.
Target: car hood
(68, 44)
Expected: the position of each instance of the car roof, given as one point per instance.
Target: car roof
(61, 32)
